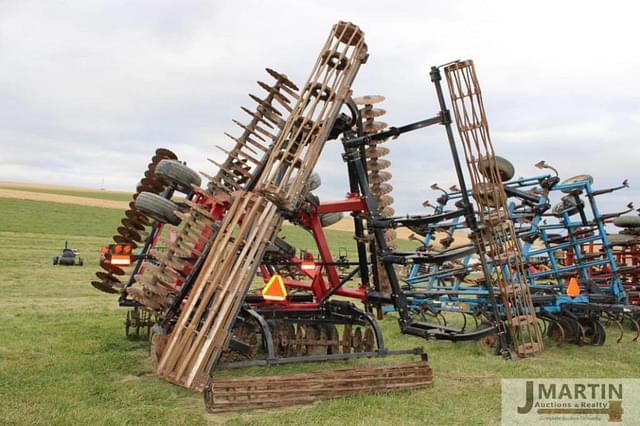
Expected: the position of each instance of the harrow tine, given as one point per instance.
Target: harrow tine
(444, 319)
(464, 324)
(475, 320)
(251, 141)
(253, 131)
(265, 105)
(619, 325)
(282, 78)
(258, 117)
(635, 325)
(275, 91)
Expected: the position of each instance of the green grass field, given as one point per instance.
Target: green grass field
(64, 358)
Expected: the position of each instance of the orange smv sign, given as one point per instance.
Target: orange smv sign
(275, 289)
(573, 289)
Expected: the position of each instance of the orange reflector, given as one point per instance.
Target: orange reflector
(308, 265)
(573, 289)
(275, 289)
(117, 249)
(120, 260)
(127, 249)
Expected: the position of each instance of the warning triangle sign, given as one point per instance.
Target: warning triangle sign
(275, 289)
(573, 289)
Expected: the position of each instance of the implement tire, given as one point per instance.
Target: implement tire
(176, 174)
(505, 169)
(158, 208)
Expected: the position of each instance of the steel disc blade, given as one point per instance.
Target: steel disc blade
(373, 112)
(138, 217)
(108, 278)
(379, 178)
(165, 153)
(376, 126)
(381, 189)
(385, 201)
(368, 100)
(152, 182)
(119, 239)
(388, 212)
(128, 233)
(132, 224)
(376, 152)
(378, 164)
(112, 269)
(102, 286)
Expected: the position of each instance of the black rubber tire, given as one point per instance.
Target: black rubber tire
(55, 260)
(627, 221)
(158, 208)
(285, 247)
(314, 181)
(179, 176)
(329, 219)
(80, 261)
(504, 166)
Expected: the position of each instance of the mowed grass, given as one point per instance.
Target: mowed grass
(64, 358)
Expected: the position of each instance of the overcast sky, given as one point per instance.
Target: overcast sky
(88, 89)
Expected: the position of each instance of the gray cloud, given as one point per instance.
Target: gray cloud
(89, 89)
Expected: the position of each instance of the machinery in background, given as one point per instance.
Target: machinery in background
(68, 257)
